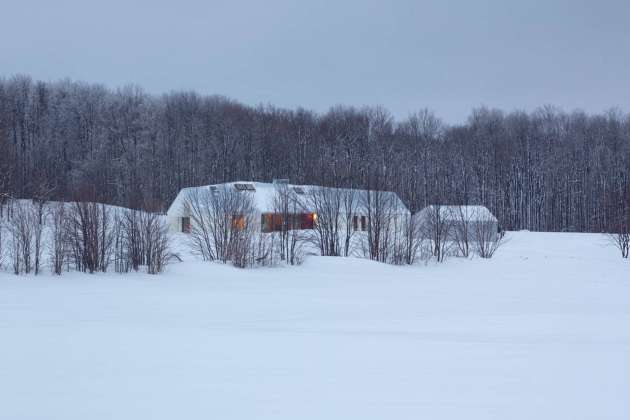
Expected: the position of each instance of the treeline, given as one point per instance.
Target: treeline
(546, 170)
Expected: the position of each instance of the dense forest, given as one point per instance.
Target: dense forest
(545, 170)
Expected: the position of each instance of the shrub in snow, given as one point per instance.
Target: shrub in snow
(90, 235)
(437, 227)
(140, 240)
(486, 238)
(335, 207)
(57, 246)
(407, 241)
(381, 210)
(289, 241)
(222, 225)
(21, 231)
(622, 241)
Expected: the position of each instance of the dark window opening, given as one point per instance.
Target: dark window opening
(359, 223)
(186, 224)
(244, 187)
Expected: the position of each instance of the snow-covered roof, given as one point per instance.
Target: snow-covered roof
(469, 213)
(263, 194)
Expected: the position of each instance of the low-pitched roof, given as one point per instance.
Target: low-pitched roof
(470, 213)
(263, 194)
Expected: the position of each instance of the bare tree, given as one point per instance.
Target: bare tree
(132, 243)
(462, 229)
(437, 227)
(620, 237)
(58, 228)
(288, 206)
(328, 204)
(486, 238)
(37, 216)
(221, 220)
(380, 208)
(21, 230)
(349, 205)
(155, 242)
(620, 232)
(408, 240)
(198, 205)
(90, 235)
(622, 241)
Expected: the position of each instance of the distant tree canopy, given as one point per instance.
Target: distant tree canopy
(545, 170)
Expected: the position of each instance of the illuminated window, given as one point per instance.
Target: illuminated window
(238, 222)
(275, 222)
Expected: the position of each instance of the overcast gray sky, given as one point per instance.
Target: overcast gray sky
(449, 56)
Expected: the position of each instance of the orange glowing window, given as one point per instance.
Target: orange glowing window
(238, 222)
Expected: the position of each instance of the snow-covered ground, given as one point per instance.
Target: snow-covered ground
(542, 331)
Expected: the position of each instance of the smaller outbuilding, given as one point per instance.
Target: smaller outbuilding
(454, 219)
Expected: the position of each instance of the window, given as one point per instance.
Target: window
(186, 224)
(298, 190)
(271, 222)
(265, 222)
(275, 222)
(238, 222)
(307, 220)
(359, 223)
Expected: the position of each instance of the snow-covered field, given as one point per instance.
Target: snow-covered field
(542, 331)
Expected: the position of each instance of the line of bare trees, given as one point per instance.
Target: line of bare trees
(82, 235)
(546, 170)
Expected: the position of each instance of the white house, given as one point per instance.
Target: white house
(458, 217)
(263, 195)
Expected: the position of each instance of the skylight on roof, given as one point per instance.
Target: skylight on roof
(298, 190)
(244, 187)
